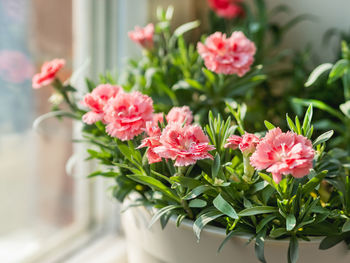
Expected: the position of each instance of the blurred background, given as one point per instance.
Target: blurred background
(46, 203)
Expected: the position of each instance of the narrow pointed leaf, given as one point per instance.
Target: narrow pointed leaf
(223, 206)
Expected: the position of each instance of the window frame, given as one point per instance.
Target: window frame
(99, 41)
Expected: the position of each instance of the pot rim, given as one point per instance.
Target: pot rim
(219, 231)
(188, 223)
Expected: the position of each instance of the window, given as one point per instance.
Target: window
(42, 205)
(47, 205)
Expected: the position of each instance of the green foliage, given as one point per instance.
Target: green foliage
(215, 191)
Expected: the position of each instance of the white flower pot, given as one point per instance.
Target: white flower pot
(179, 245)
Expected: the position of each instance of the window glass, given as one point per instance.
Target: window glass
(36, 194)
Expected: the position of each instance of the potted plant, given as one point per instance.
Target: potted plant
(284, 192)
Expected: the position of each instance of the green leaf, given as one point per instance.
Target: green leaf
(203, 220)
(123, 187)
(197, 191)
(320, 105)
(330, 241)
(269, 179)
(290, 222)
(257, 210)
(313, 183)
(162, 212)
(104, 174)
(293, 250)
(186, 27)
(277, 232)
(323, 138)
(155, 184)
(291, 124)
(197, 203)
(185, 181)
(346, 226)
(269, 125)
(223, 206)
(179, 219)
(338, 70)
(264, 222)
(130, 153)
(297, 125)
(259, 245)
(317, 72)
(345, 108)
(194, 83)
(216, 166)
(307, 120)
(210, 75)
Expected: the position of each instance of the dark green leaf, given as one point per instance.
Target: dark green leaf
(257, 210)
(259, 245)
(187, 182)
(313, 183)
(264, 222)
(162, 212)
(216, 166)
(155, 184)
(277, 232)
(223, 206)
(203, 220)
(293, 250)
(197, 191)
(330, 241)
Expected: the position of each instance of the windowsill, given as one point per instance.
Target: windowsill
(108, 249)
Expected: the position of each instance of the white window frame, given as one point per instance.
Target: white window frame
(99, 36)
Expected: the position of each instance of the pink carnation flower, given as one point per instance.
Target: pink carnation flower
(97, 99)
(179, 115)
(233, 55)
(127, 115)
(152, 141)
(158, 117)
(283, 153)
(143, 36)
(226, 8)
(247, 143)
(48, 73)
(185, 144)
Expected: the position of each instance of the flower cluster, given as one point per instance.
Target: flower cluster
(48, 73)
(97, 100)
(226, 8)
(143, 36)
(247, 143)
(279, 153)
(180, 140)
(233, 55)
(284, 153)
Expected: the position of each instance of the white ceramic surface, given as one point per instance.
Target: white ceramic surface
(179, 245)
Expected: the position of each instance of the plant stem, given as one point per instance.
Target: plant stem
(187, 209)
(60, 89)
